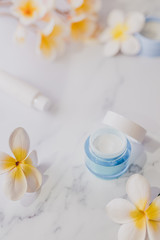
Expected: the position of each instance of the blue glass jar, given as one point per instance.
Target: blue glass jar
(150, 47)
(108, 150)
(114, 162)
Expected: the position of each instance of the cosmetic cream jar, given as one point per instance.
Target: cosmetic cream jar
(108, 149)
(150, 37)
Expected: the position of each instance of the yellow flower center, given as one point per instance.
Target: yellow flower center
(119, 32)
(28, 9)
(141, 204)
(139, 218)
(20, 154)
(17, 163)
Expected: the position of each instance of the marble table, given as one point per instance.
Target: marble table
(83, 86)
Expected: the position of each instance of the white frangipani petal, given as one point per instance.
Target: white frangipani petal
(85, 7)
(19, 143)
(48, 4)
(76, 3)
(153, 229)
(105, 35)
(115, 17)
(15, 185)
(44, 6)
(130, 232)
(138, 190)
(49, 27)
(111, 48)
(33, 177)
(32, 159)
(77, 18)
(135, 22)
(119, 210)
(130, 46)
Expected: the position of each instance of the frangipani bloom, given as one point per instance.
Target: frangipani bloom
(21, 175)
(139, 218)
(119, 35)
(85, 6)
(82, 28)
(51, 43)
(28, 11)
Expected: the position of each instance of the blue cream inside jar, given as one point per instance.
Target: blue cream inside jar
(107, 153)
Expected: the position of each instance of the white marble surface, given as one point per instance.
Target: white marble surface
(83, 86)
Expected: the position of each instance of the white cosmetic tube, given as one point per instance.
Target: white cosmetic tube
(24, 92)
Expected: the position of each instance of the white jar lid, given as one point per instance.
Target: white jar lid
(124, 125)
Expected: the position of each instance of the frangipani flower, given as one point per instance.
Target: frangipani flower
(119, 35)
(28, 11)
(82, 28)
(51, 43)
(85, 6)
(21, 176)
(139, 218)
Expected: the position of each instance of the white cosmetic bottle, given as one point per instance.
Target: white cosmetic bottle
(24, 92)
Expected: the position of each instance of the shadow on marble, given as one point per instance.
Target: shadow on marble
(150, 144)
(29, 198)
(137, 160)
(155, 191)
(54, 108)
(138, 156)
